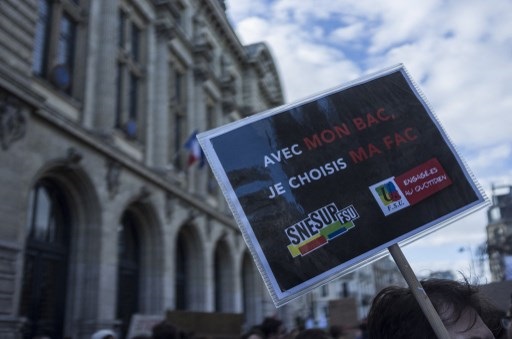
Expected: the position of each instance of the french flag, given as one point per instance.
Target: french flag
(195, 153)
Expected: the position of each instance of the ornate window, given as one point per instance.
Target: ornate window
(130, 72)
(56, 40)
(178, 109)
(325, 290)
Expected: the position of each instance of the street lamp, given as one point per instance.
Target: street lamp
(472, 271)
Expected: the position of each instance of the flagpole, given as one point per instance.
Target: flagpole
(176, 155)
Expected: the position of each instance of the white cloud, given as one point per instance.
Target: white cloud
(256, 29)
(243, 8)
(468, 231)
(348, 34)
(297, 53)
(458, 51)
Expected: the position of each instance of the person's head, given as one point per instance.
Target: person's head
(493, 319)
(271, 326)
(396, 314)
(104, 334)
(166, 330)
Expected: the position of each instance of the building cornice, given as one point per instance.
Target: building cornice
(93, 142)
(226, 31)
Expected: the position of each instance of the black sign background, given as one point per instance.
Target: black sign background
(241, 153)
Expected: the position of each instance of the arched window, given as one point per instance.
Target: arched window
(223, 278)
(250, 290)
(218, 280)
(190, 284)
(43, 295)
(128, 271)
(181, 273)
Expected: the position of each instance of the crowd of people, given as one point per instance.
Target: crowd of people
(394, 314)
(269, 328)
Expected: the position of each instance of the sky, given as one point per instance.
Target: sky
(459, 53)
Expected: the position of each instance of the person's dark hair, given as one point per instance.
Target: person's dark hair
(492, 316)
(396, 314)
(166, 330)
(313, 333)
(270, 326)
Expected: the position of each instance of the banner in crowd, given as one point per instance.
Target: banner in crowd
(325, 185)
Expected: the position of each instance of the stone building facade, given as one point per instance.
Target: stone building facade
(499, 233)
(361, 286)
(101, 217)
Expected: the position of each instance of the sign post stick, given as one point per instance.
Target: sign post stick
(418, 292)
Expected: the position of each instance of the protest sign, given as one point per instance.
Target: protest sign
(327, 184)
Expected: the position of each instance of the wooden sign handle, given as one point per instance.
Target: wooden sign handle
(418, 292)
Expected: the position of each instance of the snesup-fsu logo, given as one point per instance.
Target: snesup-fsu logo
(319, 227)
